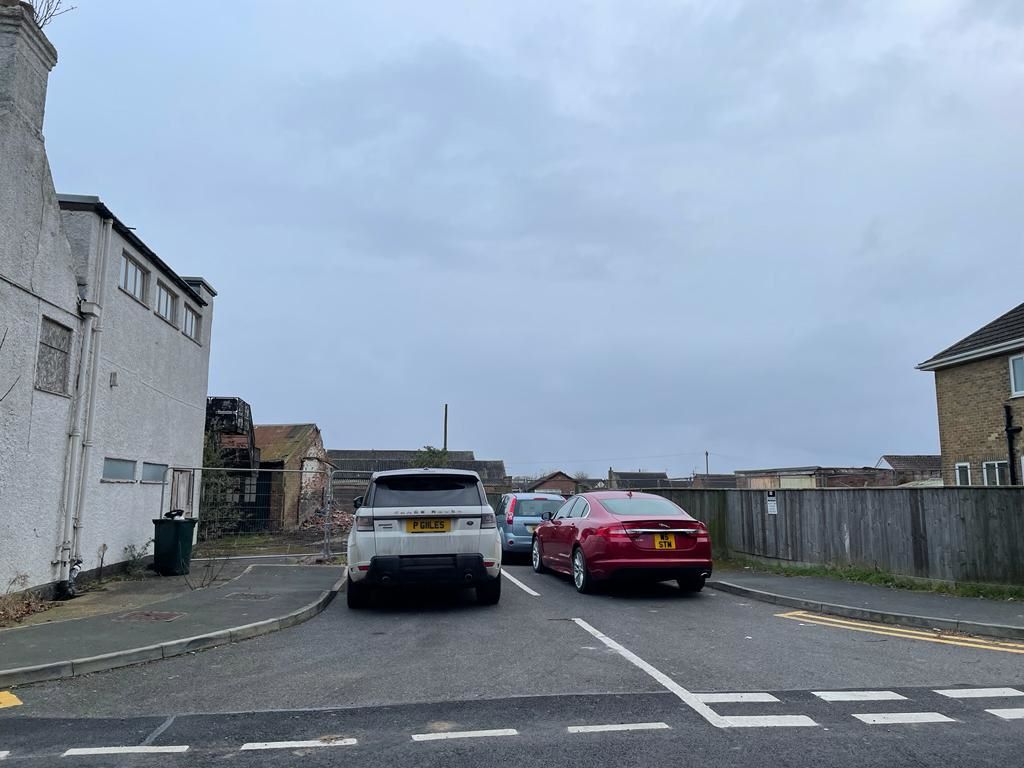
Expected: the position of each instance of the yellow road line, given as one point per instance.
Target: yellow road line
(8, 699)
(906, 634)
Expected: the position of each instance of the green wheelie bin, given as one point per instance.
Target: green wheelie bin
(172, 545)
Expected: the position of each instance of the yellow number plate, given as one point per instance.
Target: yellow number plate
(429, 525)
(664, 541)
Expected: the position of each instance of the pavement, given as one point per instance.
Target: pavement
(631, 676)
(911, 608)
(261, 598)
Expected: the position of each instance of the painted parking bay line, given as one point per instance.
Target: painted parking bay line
(125, 750)
(906, 634)
(979, 693)
(325, 742)
(770, 721)
(519, 584)
(8, 699)
(1007, 714)
(903, 718)
(464, 734)
(618, 727)
(859, 696)
(737, 698)
(4, 753)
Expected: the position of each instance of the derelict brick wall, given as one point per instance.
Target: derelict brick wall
(970, 400)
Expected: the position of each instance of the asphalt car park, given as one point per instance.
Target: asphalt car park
(546, 674)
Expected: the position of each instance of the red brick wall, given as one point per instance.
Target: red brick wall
(970, 400)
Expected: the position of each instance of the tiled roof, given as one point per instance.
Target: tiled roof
(366, 462)
(277, 442)
(1004, 329)
(375, 455)
(919, 463)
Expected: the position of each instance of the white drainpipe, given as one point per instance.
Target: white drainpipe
(94, 374)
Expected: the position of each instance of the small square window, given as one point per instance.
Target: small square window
(190, 326)
(133, 277)
(995, 472)
(1017, 375)
(53, 363)
(166, 303)
(118, 469)
(963, 474)
(153, 473)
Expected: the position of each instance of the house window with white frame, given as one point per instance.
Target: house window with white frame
(166, 303)
(995, 472)
(133, 277)
(963, 473)
(1017, 376)
(190, 325)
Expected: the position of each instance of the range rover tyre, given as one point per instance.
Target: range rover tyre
(356, 595)
(489, 593)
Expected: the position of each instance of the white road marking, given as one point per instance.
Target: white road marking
(299, 744)
(769, 721)
(4, 754)
(736, 698)
(904, 718)
(519, 584)
(684, 695)
(1007, 714)
(859, 695)
(464, 734)
(618, 727)
(125, 750)
(979, 693)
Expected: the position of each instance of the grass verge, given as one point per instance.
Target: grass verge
(876, 577)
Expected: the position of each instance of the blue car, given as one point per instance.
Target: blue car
(519, 514)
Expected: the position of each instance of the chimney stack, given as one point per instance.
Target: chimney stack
(26, 58)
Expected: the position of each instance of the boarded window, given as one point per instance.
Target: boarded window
(153, 473)
(118, 469)
(54, 361)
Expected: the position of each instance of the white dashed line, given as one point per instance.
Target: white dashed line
(125, 750)
(769, 721)
(299, 744)
(859, 696)
(1007, 714)
(693, 702)
(464, 734)
(979, 693)
(736, 698)
(904, 718)
(519, 584)
(4, 754)
(618, 727)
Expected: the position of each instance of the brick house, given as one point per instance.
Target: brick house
(556, 482)
(979, 393)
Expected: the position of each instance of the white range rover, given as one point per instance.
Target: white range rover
(424, 526)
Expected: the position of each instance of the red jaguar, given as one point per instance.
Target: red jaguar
(597, 536)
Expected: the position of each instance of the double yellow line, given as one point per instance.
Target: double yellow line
(963, 641)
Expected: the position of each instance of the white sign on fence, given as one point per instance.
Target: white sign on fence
(772, 503)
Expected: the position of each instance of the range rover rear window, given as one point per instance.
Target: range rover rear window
(426, 491)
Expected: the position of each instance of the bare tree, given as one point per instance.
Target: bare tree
(45, 11)
(10, 389)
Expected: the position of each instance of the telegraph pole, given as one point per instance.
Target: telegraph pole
(707, 470)
(446, 427)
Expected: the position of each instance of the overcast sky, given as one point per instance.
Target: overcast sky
(605, 233)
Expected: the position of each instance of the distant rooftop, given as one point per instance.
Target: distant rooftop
(278, 442)
(1003, 334)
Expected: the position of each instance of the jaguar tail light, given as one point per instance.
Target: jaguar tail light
(613, 532)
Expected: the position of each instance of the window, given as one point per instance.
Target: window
(427, 491)
(536, 507)
(153, 473)
(119, 469)
(191, 325)
(133, 277)
(54, 361)
(166, 303)
(995, 472)
(642, 506)
(566, 509)
(581, 510)
(963, 474)
(1017, 375)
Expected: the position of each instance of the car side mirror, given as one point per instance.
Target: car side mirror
(545, 515)
(357, 502)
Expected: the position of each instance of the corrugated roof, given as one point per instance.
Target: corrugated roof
(1003, 330)
(371, 454)
(278, 442)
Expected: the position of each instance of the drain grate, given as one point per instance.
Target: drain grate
(150, 616)
(248, 596)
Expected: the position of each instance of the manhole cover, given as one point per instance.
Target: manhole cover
(150, 616)
(248, 596)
